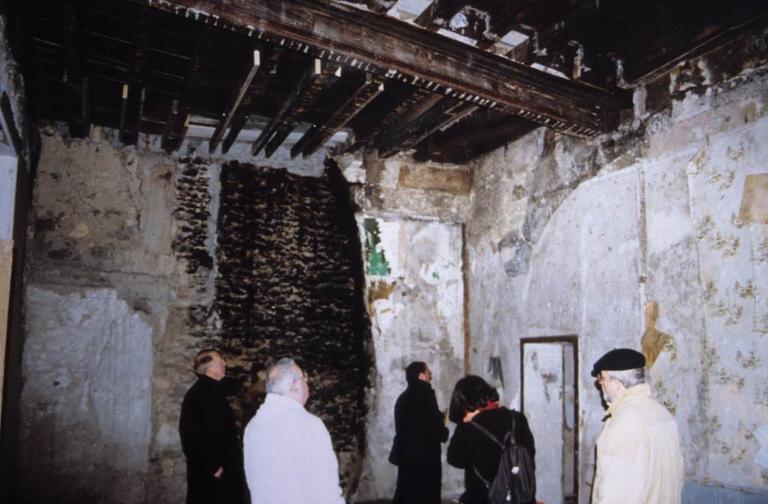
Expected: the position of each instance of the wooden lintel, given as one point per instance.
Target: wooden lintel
(391, 48)
(359, 99)
(442, 115)
(237, 98)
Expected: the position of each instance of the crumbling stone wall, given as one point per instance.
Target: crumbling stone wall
(569, 236)
(137, 261)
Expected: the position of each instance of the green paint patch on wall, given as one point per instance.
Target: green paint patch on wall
(377, 264)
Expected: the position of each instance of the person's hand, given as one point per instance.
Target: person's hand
(470, 415)
(218, 473)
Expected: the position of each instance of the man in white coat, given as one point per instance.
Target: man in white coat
(289, 458)
(638, 453)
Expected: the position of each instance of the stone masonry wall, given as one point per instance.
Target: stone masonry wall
(137, 261)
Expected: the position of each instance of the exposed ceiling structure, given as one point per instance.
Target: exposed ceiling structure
(446, 80)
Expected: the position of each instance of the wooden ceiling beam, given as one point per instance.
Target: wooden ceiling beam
(446, 112)
(135, 94)
(320, 133)
(417, 100)
(77, 84)
(302, 98)
(174, 137)
(266, 72)
(393, 49)
(476, 135)
(236, 100)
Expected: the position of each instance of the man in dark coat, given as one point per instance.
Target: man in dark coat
(419, 430)
(209, 436)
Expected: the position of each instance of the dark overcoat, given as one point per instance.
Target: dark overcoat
(419, 430)
(469, 448)
(209, 440)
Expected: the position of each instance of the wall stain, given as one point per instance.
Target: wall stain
(380, 290)
(654, 341)
(377, 262)
(750, 361)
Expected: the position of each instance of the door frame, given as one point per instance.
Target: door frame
(573, 340)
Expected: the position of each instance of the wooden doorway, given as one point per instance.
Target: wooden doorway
(549, 398)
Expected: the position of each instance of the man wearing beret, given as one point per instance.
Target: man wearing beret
(638, 453)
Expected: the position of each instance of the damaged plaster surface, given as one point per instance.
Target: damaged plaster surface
(88, 363)
(137, 260)
(415, 298)
(578, 237)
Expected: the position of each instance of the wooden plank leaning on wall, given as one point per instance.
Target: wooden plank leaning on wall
(6, 263)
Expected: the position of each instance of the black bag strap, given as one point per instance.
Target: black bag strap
(492, 437)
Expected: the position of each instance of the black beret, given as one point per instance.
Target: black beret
(619, 359)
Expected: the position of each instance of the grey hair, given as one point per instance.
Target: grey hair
(629, 377)
(281, 375)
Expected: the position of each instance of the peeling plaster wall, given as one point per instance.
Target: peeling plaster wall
(139, 259)
(574, 237)
(415, 298)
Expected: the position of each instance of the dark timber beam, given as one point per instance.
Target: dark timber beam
(478, 134)
(394, 49)
(267, 70)
(418, 100)
(133, 104)
(446, 112)
(320, 133)
(170, 126)
(235, 102)
(174, 136)
(301, 98)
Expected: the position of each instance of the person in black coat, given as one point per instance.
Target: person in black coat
(473, 400)
(209, 436)
(419, 430)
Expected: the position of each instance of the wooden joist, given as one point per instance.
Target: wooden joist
(478, 134)
(305, 92)
(446, 112)
(266, 72)
(235, 101)
(384, 46)
(320, 133)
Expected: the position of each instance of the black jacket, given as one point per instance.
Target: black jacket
(419, 430)
(209, 440)
(470, 448)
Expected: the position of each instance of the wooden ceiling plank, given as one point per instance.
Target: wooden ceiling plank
(355, 104)
(236, 100)
(431, 61)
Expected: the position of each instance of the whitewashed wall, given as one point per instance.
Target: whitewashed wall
(575, 237)
(415, 300)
